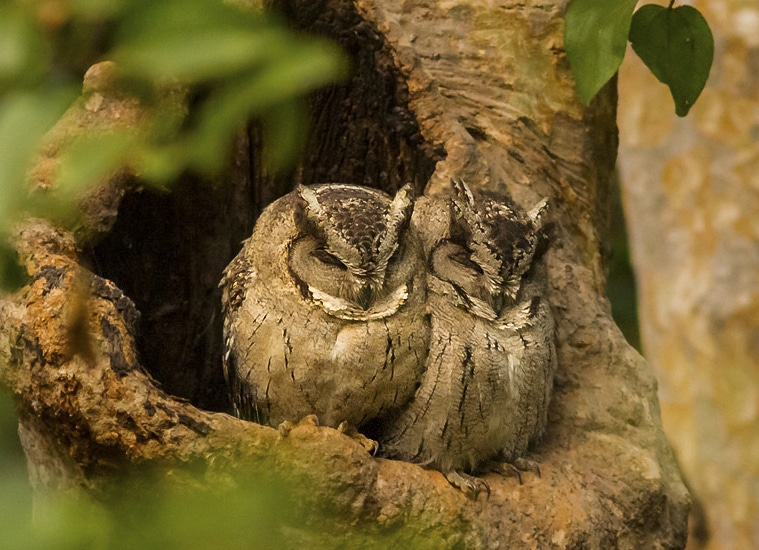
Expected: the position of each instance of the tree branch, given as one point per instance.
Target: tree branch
(490, 87)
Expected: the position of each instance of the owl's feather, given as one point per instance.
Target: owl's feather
(325, 308)
(489, 371)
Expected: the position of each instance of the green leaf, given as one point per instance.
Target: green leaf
(90, 159)
(87, 161)
(595, 38)
(195, 40)
(283, 135)
(244, 64)
(25, 117)
(298, 71)
(22, 50)
(97, 9)
(215, 52)
(677, 45)
(12, 274)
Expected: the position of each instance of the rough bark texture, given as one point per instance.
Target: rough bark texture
(690, 195)
(477, 90)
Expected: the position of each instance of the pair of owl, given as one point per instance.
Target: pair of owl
(424, 317)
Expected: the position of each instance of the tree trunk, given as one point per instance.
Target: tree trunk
(474, 90)
(690, 195)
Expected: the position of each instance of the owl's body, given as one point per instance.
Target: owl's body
(489, 371)
(324, 308)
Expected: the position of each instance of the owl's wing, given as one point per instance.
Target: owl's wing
(233, 284)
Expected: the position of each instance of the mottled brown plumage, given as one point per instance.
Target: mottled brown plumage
(324, 308)
(489, 371)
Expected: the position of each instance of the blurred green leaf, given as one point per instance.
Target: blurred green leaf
(89, 159)
(150, 18)
(283, 125)
(677, 45)
(248, 65)
(12, 274)
(147, 510)
(305, 67)
(237, 65)
(25, 117)
(216, 53)
(300, 70)
(23, 58)
(257, 67)
(195, 40)
(160, 165)
(62, 521)
(98, 9)
(66, 521)
(159, 515)
(595, 39)
(86, 162)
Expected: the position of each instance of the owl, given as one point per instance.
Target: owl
(324, 308)
(489, 371)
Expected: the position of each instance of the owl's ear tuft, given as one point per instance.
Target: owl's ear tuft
(462, 191)
(402, 205)
(537, 214)
(308, 195)
(397, 219)
(317, 311)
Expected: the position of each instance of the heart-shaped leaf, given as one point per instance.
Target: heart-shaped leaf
(595, 38)
(677, 45)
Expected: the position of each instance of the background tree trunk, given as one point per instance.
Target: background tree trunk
(476, 90)
(691, 199)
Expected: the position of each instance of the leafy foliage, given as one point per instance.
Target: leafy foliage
(144, 512)
(241, 65)
(235, 65)
(595, 39)
(675, 43)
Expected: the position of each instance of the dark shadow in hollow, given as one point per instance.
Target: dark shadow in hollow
(167, 251)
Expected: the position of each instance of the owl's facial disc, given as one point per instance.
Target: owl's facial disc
(455, 263)
(350, 252)
(365, 296)
(339, 287)
(361, 284)
(328, 259)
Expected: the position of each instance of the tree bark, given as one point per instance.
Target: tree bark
(474, 90)
(690, 196)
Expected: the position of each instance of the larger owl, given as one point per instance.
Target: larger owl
(324, 308)
(489, 371)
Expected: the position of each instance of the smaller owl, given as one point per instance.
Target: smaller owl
(489, 370)
(324, 308)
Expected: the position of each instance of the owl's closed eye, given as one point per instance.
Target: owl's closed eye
(334, 322)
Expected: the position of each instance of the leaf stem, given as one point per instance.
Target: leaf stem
(671, 3)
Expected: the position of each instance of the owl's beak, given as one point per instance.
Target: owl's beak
(364, 297)
(496, 302)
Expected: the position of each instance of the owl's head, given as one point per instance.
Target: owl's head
(489, 248)
(354, 256)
